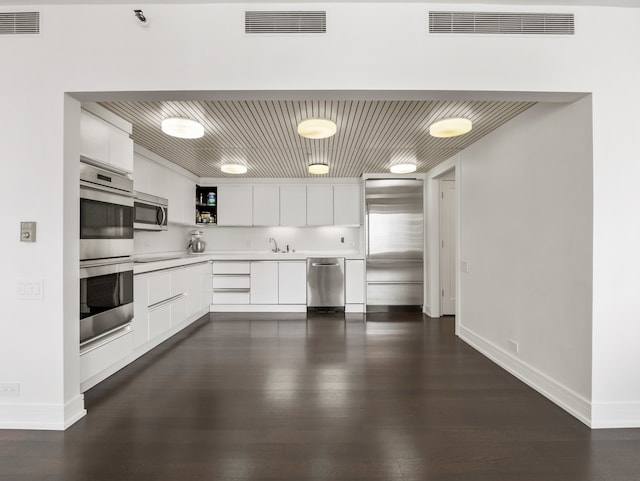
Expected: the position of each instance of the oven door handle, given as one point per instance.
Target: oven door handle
(161, 216)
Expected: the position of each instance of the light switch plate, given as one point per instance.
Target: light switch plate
(31, 289)
(27, 231)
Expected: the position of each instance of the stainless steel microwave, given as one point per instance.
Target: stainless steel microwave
(150, 212)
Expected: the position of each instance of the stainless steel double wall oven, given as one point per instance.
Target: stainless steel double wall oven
(106, 247)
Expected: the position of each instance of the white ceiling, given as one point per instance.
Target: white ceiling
(603, 3)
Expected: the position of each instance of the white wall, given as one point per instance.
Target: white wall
(302, 239)
(526, 220)
(201, 47)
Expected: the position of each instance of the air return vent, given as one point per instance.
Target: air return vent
(19, 23)
(285, 22)
(510, 23)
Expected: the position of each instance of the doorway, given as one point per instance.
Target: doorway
(447, 243)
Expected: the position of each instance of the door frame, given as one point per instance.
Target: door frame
(432, 237)
(446, 179)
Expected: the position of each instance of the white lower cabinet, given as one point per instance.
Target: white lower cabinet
(96, 360)
(354, 282)
(264, 283)
(198, 288)
(159, 320)
(231, 282)
(267, 286)
(292, 282)
(178, 311)
(164, 301)
(140, 322)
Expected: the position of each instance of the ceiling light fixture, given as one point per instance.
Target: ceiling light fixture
(317, 128)
(450, 127)
(318, 168)
(182, 128)
(233, 168)
(403, 168)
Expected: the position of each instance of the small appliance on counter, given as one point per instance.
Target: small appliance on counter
(196, 245)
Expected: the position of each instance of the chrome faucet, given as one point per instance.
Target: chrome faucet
(275, 244)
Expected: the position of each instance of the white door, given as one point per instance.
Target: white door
(447, 247)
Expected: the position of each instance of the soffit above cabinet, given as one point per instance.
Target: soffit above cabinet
(261, 134)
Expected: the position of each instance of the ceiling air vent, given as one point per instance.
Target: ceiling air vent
(285, 22)
(510, 23)
(19, 23)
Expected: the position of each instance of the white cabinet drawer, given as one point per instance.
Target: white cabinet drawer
(159, 320)
(231, 297)
(178, 311)
(94, 361)
(231, 267)
(178, 281)
(231, 282)
(159, 287)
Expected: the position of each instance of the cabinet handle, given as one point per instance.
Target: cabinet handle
(164, 302)
(231, 289)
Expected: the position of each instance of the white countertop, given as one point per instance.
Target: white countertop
(167, 260)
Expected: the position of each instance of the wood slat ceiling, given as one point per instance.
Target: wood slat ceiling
(262, 135)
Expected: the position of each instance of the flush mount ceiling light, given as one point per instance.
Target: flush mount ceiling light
(450, 127)
(233, 168)
(318, 169)
(403, 168)
(182, 128)
(317, 128)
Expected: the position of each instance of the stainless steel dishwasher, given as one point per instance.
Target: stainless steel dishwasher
(325, 282)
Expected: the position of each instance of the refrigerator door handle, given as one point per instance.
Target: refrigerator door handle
(366, 233)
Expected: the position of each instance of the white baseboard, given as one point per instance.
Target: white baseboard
(74, 410)
(567, 399)
(258, 308)
(349, 308)
(50, 417)
(607, 415)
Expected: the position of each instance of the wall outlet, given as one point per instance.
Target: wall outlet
(9, 389)
(513, 345)
(31, 289)
(464, 267)
(342, 239)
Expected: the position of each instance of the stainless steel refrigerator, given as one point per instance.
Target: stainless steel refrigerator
(395, 242)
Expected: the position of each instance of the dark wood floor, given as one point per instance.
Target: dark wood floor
(281, 397)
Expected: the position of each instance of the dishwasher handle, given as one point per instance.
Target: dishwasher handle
(318, 264)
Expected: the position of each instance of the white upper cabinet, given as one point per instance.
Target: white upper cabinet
(189, 209)
(347, 208)
(94, 137)
(293, 205)
(235, 205)
(320, 204)
(120, 149)
(266, 205)
(103, 141)
(150, 177)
